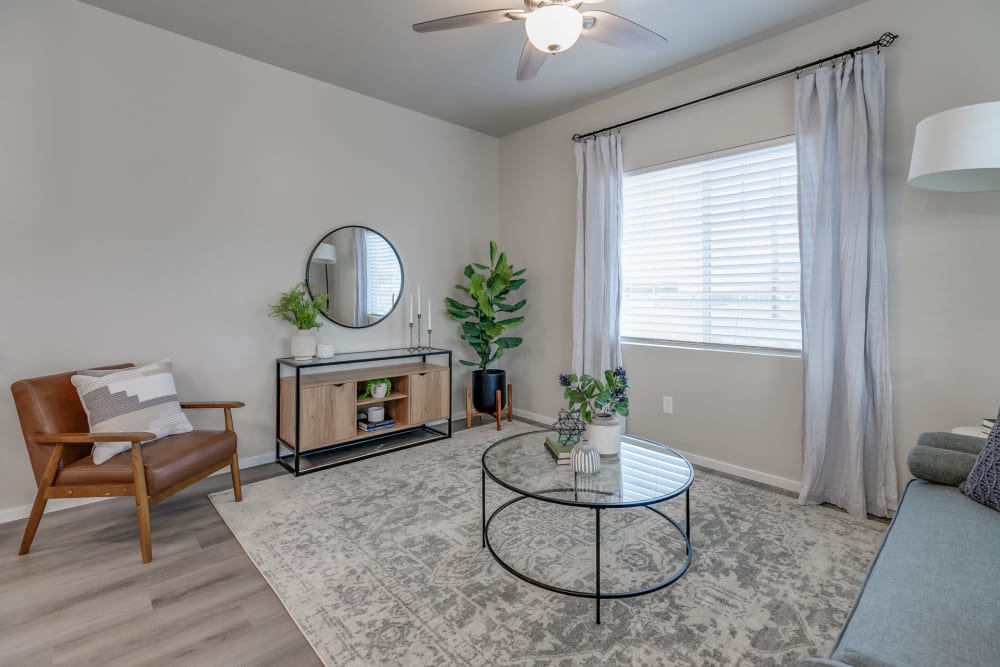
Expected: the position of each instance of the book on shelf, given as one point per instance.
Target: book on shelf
(366, 425)
(560, 452)
(987, 424)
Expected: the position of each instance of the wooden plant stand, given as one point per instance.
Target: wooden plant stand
(471, 412)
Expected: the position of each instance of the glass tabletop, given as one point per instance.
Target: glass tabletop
(644, 473)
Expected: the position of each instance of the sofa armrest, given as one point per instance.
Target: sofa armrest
(957, 443)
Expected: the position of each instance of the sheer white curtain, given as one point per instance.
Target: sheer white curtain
(848, 456)
(597, 278)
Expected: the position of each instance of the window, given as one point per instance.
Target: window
(710, 251)
(383, 277)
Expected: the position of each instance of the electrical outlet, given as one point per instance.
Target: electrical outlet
(668, 405)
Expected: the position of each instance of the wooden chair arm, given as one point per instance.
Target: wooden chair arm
(212, 404)
(90, 438)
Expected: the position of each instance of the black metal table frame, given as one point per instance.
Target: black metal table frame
(597, 595)
(379, 355)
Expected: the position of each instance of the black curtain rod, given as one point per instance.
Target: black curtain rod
(885, 40)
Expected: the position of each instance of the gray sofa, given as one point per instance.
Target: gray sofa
(932, 594)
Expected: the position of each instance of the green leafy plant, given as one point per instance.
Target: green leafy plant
(482, 325)
(590, 397)
(296, 307)
(372, 384)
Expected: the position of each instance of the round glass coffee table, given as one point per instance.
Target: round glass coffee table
(644, 474)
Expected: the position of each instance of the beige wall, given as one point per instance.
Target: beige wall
(744, 410)
(177, 189)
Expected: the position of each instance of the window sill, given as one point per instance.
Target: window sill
(731, 349)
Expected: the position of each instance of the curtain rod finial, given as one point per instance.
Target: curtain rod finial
(887, 39)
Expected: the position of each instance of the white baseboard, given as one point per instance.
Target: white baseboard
(18, 512)
(704, 462)
(744, 473)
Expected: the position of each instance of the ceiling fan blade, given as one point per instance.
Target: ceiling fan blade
(617, 31)
(531, 61)
(469, 20)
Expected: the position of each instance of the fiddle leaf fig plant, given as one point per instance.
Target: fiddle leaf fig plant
(488, 317)
(296, 307)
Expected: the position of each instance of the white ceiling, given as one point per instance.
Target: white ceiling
(465, 76)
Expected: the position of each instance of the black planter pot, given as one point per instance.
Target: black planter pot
(484, 389)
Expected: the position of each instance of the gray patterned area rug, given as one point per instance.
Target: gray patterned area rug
(379, 563)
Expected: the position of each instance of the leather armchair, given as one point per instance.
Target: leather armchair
(56, 433)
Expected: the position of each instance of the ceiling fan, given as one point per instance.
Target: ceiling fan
(552, 27)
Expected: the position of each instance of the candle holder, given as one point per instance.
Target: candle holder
(429, 345)
(420, 344)
(411, 348)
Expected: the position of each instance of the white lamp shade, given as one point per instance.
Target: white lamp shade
(554, 28)
(958, 150)
(326, 253)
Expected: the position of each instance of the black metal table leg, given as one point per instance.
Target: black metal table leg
(597, 558)
(484, 508)
(687, 513)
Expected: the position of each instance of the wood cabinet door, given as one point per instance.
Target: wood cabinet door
(328, 414)
(429, 396)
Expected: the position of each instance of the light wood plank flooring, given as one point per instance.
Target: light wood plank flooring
(83, 597)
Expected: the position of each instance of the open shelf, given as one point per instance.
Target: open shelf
(384, 431)
(394, 396)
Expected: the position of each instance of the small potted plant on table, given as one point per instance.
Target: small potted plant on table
(599, 403)
(297, 307)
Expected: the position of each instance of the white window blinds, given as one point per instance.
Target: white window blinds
(710, 251)
(383, 276)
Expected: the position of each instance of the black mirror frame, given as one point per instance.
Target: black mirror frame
(402, 275)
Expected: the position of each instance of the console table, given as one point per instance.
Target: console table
(317, 405)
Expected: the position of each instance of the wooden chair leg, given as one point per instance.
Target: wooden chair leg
(142, 504)
(510, 403)
(468, 407)
(234, 468)
(499, 409)
(38, 507)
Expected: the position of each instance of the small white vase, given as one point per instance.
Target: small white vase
(605, 433)
(379, 391)
(584, 458)
(303, 345)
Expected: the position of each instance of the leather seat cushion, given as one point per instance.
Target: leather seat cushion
(167, 461)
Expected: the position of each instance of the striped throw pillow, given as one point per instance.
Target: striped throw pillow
(133, 399)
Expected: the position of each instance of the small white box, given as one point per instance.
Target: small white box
(376, 414)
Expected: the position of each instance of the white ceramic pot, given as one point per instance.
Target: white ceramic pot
(585, 459)
(379, 391)
(324, 350)
(303, 345)
(605, 433)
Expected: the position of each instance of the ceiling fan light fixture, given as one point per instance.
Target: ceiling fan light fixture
(554, 28)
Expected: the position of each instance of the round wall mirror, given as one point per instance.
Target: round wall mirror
(359, 274)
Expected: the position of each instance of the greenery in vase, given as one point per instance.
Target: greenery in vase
(482, 327)
(296, 307)
(591, 397)
(372, 384)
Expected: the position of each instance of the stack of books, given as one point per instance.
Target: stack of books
(988, 423)
(559, 451)
(366, 425)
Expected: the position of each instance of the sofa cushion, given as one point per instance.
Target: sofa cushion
(166, 461)
(983, 483)
(941, 466)
(929, 599)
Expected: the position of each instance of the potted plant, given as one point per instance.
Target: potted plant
(599, 403)
(485, 321)
(297, 307)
